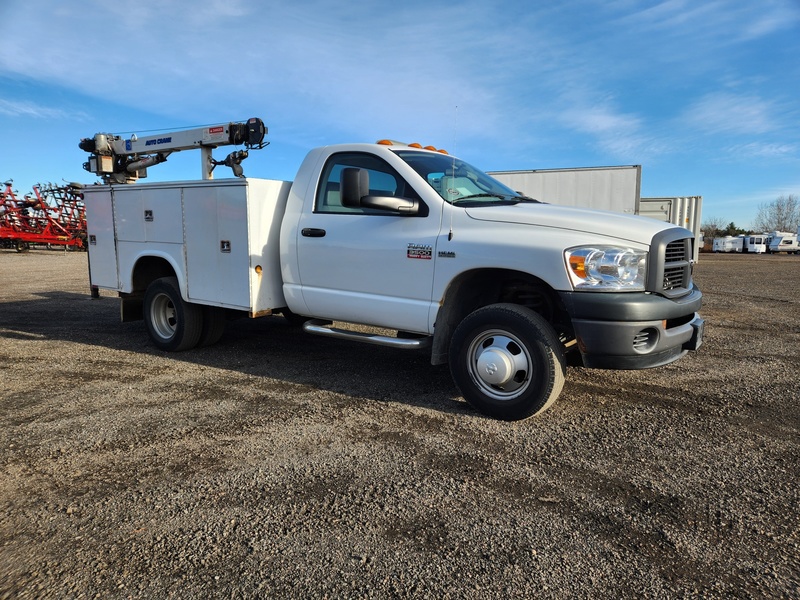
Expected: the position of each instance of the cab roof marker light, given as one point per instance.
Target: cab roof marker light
(388, 142)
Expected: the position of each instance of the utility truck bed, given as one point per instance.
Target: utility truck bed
(226, 249)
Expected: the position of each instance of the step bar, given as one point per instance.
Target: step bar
(323, 328)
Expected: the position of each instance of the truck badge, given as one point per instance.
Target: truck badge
(421, 251)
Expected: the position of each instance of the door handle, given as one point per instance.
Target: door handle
(313, 232)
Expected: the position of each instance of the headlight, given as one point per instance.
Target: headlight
(607, 268)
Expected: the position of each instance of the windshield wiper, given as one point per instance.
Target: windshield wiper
(476, 197)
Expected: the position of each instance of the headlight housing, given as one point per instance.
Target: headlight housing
(606, 268)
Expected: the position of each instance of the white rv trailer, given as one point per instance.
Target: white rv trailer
(728, 243)
(781, 241)
(755, 244)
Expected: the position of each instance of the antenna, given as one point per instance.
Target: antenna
(455, 131)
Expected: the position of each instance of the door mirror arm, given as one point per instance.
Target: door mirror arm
(404, 206)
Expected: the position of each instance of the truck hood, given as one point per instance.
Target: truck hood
(597, 222)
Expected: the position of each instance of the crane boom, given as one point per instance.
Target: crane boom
(119, 160)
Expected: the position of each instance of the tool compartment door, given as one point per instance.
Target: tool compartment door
(100, 233)
(232, 230)
(217, 248)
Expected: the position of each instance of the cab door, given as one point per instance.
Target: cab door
(367, 265)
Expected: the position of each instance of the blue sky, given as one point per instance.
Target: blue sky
(705, 95)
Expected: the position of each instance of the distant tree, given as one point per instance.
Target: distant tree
(715, 227)
(712, 227)
(732, 229)
(782, 214)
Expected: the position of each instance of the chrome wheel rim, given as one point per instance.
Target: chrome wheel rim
(499, 364)
(164, 319)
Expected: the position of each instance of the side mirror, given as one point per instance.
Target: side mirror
(354, 190)
(354, 185)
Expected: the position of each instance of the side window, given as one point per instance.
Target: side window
(383, 181)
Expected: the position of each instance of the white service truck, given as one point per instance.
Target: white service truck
(412, 240)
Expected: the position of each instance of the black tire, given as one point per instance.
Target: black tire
(507, 361)
(173, 325)
(213, 326)
(293, 319)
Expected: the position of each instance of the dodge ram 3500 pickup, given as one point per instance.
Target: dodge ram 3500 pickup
(504, 288)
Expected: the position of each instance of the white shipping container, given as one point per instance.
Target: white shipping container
(617, 189)
(684, 211)
(603, 188)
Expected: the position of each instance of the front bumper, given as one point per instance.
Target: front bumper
(634, 331)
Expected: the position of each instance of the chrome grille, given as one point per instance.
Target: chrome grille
(673, 278)
(670, 272)
(675, 251)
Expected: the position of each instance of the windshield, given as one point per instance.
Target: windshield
(458, 182)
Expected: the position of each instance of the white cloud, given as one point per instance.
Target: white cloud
(729, 113)
(622, 136)
(765, 150)
(772, 17)
(328, 63)
(13, 108)
(601, 120)
(328, 71)
(724, 21)
(764, 194)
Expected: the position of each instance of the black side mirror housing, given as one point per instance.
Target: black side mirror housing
(354, 185)
(354, 190)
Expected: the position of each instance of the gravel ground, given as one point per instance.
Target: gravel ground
(277, 464)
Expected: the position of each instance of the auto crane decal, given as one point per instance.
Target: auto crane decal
(156, 141)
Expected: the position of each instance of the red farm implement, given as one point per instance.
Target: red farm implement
(52, 215)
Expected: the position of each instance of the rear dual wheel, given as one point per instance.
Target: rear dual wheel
(173, 324)
(507, 361)
(214, 320)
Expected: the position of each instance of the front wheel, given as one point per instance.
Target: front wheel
(173, 325)
(507, 361)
